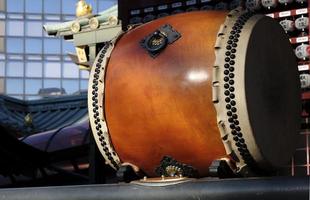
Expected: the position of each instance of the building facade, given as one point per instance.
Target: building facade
(29, 59)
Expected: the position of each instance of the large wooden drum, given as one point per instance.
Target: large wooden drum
(182, 86)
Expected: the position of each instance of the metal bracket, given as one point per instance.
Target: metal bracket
(169, 167)
(220, 168)
(159, 39)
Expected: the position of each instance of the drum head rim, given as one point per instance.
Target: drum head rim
(233, 119)
(96, 107)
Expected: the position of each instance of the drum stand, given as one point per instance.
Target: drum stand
(127, 174)
(224, 168)
(221, 168)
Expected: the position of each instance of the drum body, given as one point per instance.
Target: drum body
(146, 106)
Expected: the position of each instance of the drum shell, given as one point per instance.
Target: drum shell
(144, 107)
(162, 106)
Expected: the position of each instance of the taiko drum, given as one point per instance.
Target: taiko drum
(197, 87)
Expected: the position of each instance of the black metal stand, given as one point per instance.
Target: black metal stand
(284, 188)
(98, 171)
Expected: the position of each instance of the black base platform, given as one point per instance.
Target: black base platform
(282, 188)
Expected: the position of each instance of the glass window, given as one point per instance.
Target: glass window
(34, 46)
(15, 28)
(2, 48)
(103, 5)
(52, 69)
(14, 86)
(93, 4)
(2, 15)
(84, 74)
(2, 85)
(34, 28)
(84, 84)
(2, 28)
(15, 57)
(67, 47)
(69, 18)
(2, 68)
(2, 56)
(16, 16)
(33, 86)
(70, 86)
(15, 69)
(15, 45)
(52, 17)
(34, 69)
(34, 6)
(51, 46)
(67, 58)
(51, 83)
(15, 5)
(34, 16)
(70, 70)
(34, 57)
(52, 58)
(68, 6)
(52, 6)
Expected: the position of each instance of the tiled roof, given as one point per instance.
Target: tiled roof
(29, 117)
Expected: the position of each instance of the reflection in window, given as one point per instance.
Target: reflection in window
(15, 45)
(66, 58)
(2, 85)
(2, 28)
(33, 86)
(84, 84)
(34, 57)
(93, 4)
(34, 28)
(15, 57)
(34, 16)
(52, 70)
(51, 46)
(84, 74)
(68, 6)
(2, 49)
(52, 58)
(70, 70)
(17, 96)
(16, 16)
(69, 18)
(15, 5)
(103, 5)
(33, 69)
(52, 6)
(15, 69)
(2, 15)
(14, 86)
(33, 97)
(52, 17)
(51, 83)
(33, 6)
(70, 86)
(15, 28)
(2, 68)
(34, 46)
